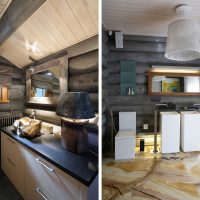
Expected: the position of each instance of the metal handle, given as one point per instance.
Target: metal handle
(50, 169)
(11, 162)
(40, 193)
(10, 140)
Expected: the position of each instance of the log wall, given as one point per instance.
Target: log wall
(82, 76)
(146, 51)
(105, 102)
(17, 89)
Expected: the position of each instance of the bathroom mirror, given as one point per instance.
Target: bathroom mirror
(45, 83)
(174, 82)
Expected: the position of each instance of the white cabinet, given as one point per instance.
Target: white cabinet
(190, 137)
(34, 177)
(125, 145)
(44, 179)
(12, 161)
(170, 132)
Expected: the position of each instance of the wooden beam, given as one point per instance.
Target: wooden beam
(5, 61)
(88, 45)
(16, 14)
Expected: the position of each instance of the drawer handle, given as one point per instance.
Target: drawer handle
(40, 193)
(50, 169)
(10, 140)
(11, 162)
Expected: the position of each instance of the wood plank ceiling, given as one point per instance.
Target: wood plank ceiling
(56, 25)
(3, 6)
(143, 17)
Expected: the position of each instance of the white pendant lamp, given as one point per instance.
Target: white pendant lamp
(183, 40)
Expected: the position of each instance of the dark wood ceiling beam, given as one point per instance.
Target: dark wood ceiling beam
(15, 15)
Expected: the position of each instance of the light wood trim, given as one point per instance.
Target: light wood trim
(151, 74)
(62, 63)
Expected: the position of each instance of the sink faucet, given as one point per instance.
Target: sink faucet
(160, 104)
(196, 104)
(33, 114)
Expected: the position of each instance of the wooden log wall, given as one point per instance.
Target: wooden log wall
(17, 90)
(82, 76)
(146, 51)
(105, 102)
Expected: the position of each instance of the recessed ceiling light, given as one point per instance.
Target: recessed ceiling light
(32, 46)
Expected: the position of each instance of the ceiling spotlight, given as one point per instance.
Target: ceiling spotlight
(33, 63)
(32, 68)
(49, 74)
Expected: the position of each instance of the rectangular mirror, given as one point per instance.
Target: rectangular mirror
(174, 82)
(46, 82)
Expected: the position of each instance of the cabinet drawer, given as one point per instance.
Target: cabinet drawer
(13, 162)
(42, 178)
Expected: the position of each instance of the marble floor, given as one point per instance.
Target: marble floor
(7, 191)
(152, 177)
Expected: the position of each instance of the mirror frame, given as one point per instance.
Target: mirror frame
(62, 63)
(175, 74)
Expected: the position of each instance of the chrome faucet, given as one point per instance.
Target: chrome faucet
(196, 107)
(160, 104)
(33, 115)
(196, 104)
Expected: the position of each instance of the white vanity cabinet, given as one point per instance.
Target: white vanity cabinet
(170, 132)
(34, 177)
(45, 181)
(12, 161)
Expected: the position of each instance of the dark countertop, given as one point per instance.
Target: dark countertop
(83, 168)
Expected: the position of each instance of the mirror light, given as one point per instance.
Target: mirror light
(177, 70)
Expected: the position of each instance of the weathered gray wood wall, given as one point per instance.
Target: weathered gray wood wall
(146, 51)
(17, 89)
(105, 102)
(82, 76)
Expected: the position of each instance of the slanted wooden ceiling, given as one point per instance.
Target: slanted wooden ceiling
(3, 6)
(56, 25)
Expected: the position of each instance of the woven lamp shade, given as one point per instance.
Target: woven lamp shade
(183, 41)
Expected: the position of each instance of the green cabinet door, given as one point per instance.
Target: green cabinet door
(128, 76)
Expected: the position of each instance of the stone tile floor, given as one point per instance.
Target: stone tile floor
(152, 177)
(7, 190)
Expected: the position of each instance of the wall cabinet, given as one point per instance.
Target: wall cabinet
(128, 77)
(34, 177)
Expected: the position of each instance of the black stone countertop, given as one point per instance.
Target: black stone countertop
(83, 168)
